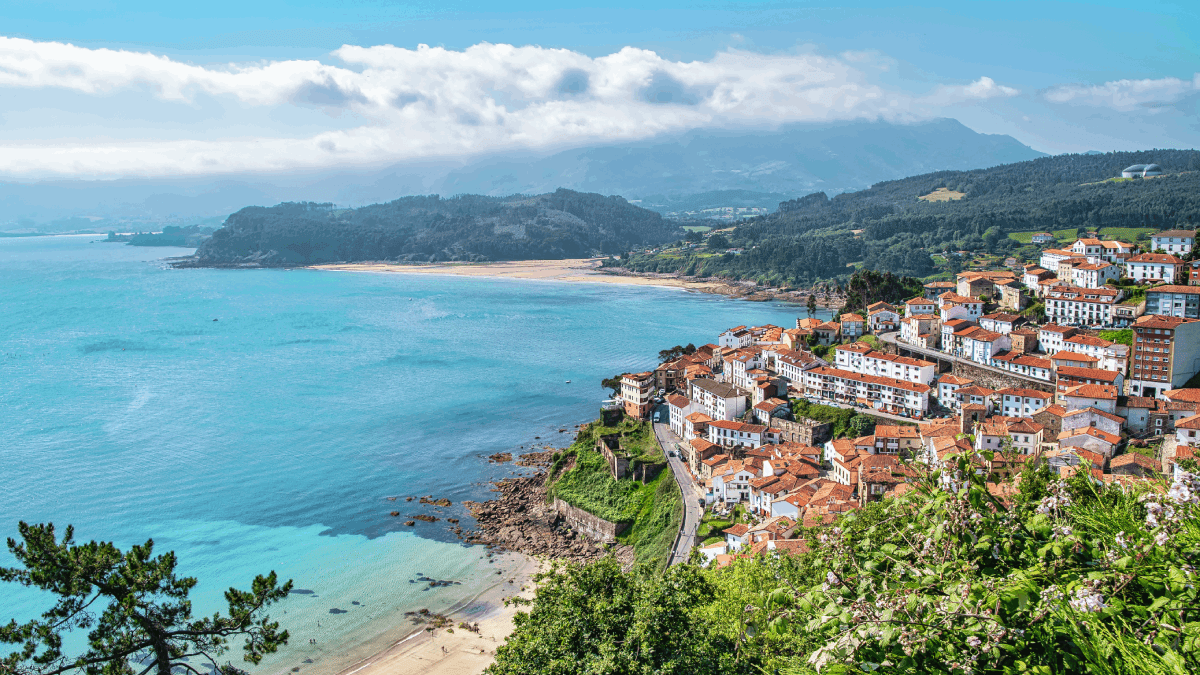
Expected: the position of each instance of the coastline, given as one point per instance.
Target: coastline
(577, 270)
(418, 647)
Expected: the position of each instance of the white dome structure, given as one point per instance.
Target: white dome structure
(1141, 171)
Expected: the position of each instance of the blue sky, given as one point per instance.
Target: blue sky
(166, 88)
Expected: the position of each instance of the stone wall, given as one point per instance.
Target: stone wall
(585, 523)
(805, 431)
(993, 379)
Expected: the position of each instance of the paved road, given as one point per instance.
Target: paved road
(894, 338)
(691, 506)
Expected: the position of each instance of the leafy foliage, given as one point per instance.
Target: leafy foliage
(134, 607)
(563, 224)
(595, 619)
(1064, 576)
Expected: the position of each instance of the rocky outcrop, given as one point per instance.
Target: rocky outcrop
(521, 520)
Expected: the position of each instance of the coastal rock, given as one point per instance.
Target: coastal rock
(426, 518)
(500, 457)
(436, 502)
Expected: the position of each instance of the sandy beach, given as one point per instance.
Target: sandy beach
(414, 648)
(583, 270)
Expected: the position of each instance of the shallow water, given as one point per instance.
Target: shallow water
(272, 437)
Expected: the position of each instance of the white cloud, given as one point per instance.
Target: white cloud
(1126, 95)
(431, 101)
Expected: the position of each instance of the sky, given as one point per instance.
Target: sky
(104, 89)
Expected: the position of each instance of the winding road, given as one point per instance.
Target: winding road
(691, 496)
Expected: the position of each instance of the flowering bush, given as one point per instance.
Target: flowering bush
(1071, 576)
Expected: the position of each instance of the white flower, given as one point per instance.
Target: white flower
(974, 641)
(1161, 538)
(1179, 493)
(1087, 600)
(1062, 531)
(831, 579)
(1122, 541)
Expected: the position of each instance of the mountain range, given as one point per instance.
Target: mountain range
(690, 171)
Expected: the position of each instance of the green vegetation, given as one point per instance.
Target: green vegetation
(697, 228)
(1122, 336)
(653, 510)
(845, 422)
(561, 224)
(657, 522)
(1071, 576)
(134, 609)
(1128, 234)
(887, 227)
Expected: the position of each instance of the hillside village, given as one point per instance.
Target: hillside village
(961, 369)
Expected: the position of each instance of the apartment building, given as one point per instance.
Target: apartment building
(921, 330)
(1094, 275)
(1173, 241)
(1074, 305)
(955, 306)
(1051, 337)
(718, 400)
(1109, 355)
(1166, 354)
(980, 345)
(1153, 267)
(1172, 300)
(636, 391)
(894, 396)
(1001, 322)
(1018, 402)
(860, 358)
(918, 306)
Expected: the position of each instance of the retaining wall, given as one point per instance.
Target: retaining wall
(993, 379)
(594, 527)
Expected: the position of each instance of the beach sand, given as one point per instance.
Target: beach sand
(412, 649)
(583, 270)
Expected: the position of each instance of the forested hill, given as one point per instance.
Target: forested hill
(563, 224)
(888, 228)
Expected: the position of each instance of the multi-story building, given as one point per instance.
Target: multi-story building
(636, 392)
(1052, 256)
(1173, 241)
(729, 434)
(738, 365)
(718, 400)
(1043, 238)
(934, 289)
(860, 358)
(1000, 322)
(1166, 354)
(980, 345)
(789, 364)
(853, 326)
(1153, 267)
(921, 330)
(1094, 275)
(1172, 300)
(736, 338)
(955, 306)
(1051, 337)
(1023, 364)
(1109, 355)
(918, 306)
(1074, 305)
(1033, 276)
(1088, 248)
(1016, 402)
(678, 408)
(889, 395)
(882, 317)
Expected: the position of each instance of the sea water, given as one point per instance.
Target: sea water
(257, 420)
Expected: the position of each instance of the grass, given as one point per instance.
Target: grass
(637, 438)
(697, 228)
(657, 521)
(1123, 336)
(653, 510)
(1064, 236)
(1127, 234)
(943, 195)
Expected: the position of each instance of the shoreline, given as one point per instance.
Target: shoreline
(420, 647)
(577, 270)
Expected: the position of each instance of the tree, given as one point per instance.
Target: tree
(146, 622)
(811, 305)
(718, 242)
(861, 425)
(613, 384)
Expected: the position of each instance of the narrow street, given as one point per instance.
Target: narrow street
(691, 504)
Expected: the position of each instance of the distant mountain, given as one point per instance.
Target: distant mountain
(793, 161)
(742, 168)
(562, 224)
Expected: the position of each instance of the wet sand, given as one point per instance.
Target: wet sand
(411, 649)
(581, 270)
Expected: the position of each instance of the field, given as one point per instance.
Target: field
(697, 228)
(943, 195)
(1127, 234)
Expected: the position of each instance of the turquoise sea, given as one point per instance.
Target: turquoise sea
(257, 420)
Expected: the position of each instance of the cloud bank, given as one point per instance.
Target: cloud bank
(1127, 95)
(434, 102)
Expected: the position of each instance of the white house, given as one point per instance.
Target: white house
(1094, 275)
(1173, 241)
(1015, 402)
(919, 306)
(736, 338)
(1153, 267)
(679, 407)
(719, 400)
(1075, 305)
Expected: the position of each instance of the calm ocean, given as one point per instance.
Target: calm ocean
(271, 437)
